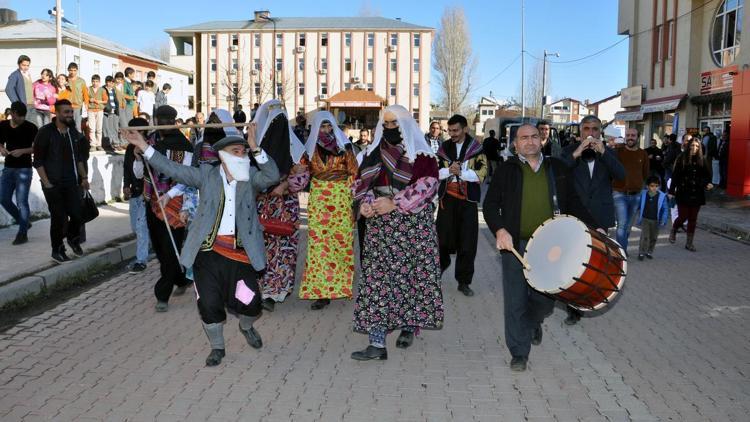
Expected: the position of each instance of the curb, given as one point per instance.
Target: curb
(46, 279)
(729, 231)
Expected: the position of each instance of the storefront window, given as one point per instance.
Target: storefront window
(726, 32)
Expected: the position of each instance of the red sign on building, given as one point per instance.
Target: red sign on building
(718, 80)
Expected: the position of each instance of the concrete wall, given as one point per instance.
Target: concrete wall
(105, 178)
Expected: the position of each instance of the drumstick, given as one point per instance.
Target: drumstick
(189, 126)
(523, 260)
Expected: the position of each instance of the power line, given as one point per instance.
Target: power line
(497, 75)
(626, 38)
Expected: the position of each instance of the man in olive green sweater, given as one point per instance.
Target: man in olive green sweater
(79, 93)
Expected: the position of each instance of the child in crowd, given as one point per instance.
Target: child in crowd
(654, 212)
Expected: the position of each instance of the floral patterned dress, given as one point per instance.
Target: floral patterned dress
(281, 251)
(329, 269)
(400, 282)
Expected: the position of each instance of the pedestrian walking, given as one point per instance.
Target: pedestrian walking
(627, 191)
(133, 192)
(654, 212)
(690, 181)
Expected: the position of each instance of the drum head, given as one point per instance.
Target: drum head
(556, 253)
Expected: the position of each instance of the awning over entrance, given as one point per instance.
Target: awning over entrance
(662, 104)
(629, 116)
(355, 98)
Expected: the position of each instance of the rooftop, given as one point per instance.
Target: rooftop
(358, 23)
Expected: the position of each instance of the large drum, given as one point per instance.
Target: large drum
(574, 263)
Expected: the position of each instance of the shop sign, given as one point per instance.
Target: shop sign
(718, 80)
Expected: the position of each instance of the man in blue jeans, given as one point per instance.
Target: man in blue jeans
(132, 188)
(16, 139)
(627, 192)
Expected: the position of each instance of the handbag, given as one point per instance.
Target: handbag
(277, 227)
(89, 210)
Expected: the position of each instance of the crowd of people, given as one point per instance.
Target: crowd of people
(220, 207)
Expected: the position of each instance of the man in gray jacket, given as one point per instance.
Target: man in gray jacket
(225, 242)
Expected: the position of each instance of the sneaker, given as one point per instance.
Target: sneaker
(21, 239)
(162, 306)
(59, 255)
(137, 268)
(76, 248)
(641, 256)
(518, 363)
(649, 256)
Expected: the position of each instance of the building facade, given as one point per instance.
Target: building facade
(36, 39)
(305, 61)
(566, 110)
(684, 61)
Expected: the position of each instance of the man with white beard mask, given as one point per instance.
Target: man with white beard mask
(225, 243)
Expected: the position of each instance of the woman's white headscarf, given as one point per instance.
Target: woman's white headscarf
(265, 114)
(413, 138)
(312, 139)
(225, 117)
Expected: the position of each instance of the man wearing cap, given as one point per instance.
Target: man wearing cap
(172, 144)
(225, 243)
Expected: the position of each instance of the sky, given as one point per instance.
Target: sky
(572, 28)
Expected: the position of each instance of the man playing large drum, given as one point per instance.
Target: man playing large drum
(527, 190)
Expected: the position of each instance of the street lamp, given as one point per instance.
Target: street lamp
(544, 79)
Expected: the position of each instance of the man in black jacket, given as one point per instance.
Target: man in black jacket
(62, 171)
(519, 199)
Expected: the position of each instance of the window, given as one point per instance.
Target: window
(213, 89)
(370, 39)
(235, 88)
(348, 39)
(279, 40)
(138, 75)
(97, 66)
(324, 88)
(279, 90)
(256, 40)
(212, 37)
(670, 37)
(417, 40)
(191, 79)
(347, 86)
(324, 63)
(301, 88)
(394, 39)
(301, 40)
(394, 65)
(115, 69)
(235, 39)
(415, 90)
(415, 114)
(324, 39)
(393, 90)
(348, 65)
(726, 32)
(369, 87)
(257, 89)
(370, 65)
(77, 60)
(191, 102)
(235, 65)
(301, 63)
(416, 65)
(659, 51)
(213, 65)
(256, 64)
(279, 64)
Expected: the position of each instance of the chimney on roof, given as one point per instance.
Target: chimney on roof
(8, 16)
(262, 15)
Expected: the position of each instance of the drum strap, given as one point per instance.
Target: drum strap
(553, 189)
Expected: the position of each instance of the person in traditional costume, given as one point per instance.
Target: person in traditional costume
(163, 195)
(463, 167)
(400, 283)
(329, 269)
(278, 206)
(225, 244)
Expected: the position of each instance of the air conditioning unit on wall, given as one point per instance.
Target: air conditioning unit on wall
(391, 48)
(322, 71)
(300, 49)
(254, 72)
(322, 96)
(233, 48)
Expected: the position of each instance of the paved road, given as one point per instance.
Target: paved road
(673, 348)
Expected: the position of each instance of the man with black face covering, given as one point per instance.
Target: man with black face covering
(62, 171)
(594, 167)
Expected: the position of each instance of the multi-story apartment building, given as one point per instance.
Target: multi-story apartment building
(306, 61)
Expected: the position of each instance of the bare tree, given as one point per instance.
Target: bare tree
(454, 61)
(158, 49)
(533, 90)
(286, 89)
(236, 85)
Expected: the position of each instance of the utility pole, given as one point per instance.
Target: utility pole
(544, 80)
(58, 33)
(523, 69)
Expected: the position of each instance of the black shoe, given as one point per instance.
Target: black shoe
(573, 317)
(59, 255)
(641, 256)
(536, 336)
(518, 363)
(320, 304)
(137, 268)
(465, 289)
(268, 304)
(405, 339)
(649, 256)
(371, 353)
(20, 239)
(252, 337)
(76, 248)
(214, 358)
